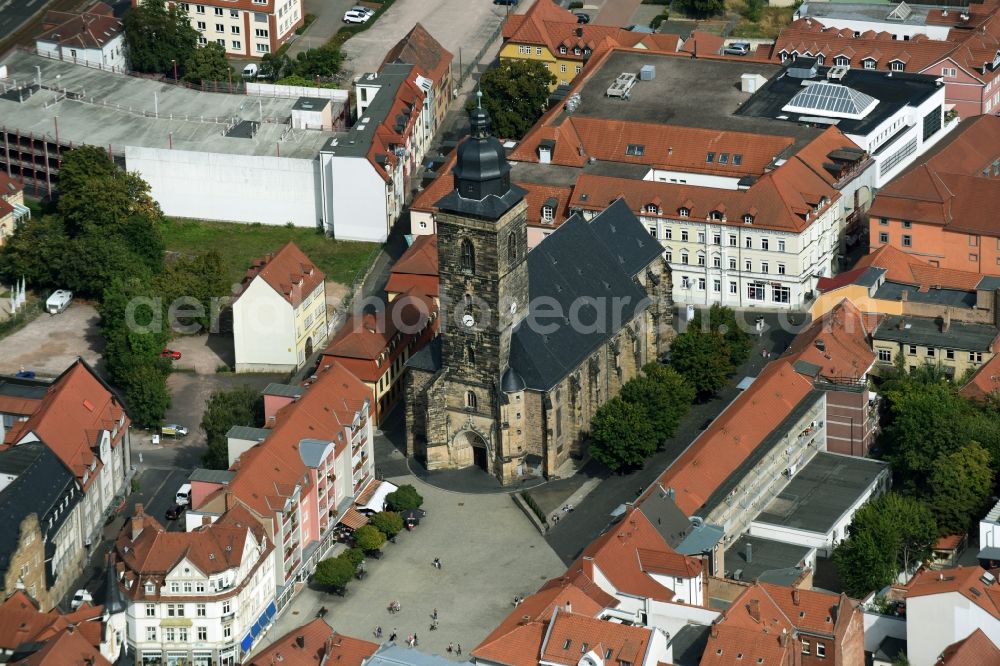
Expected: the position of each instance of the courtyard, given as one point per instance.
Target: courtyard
(489, 553)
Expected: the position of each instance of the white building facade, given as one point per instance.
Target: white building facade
(246, 27)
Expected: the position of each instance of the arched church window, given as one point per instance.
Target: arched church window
(470, 354)
(468, 256)
(511, 247)
(470, 400)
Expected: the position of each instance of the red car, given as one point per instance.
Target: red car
(171, 354)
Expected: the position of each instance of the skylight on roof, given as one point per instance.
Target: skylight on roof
(723, 158)
(710, 158)
(737, 159)
(832, 100)
(635, 149)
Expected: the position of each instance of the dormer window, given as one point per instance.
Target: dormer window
(897, 66)
(684, 212)
(784, 56)
(819, 59)
(748, 219)
(562, 50)
(635, 149)
(715, 215)
(869, 63)
(842, 61)
(150, 588)
(586, 52)
(652, 209)
(576, 51)
(548, 214)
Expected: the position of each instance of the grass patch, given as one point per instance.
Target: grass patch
(770, 25)
(239, 244)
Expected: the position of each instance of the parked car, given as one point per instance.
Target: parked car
(505, 2)
(58, 301)
(354, 16)
(250, 71)
(737, 48)
(171, 354)
(582, 18)
(26, 374)
(366, 10)
(175, 511)
(174, 430)
(81, 597)
(183, 495)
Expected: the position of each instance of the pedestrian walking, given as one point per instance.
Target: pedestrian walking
(416, 641)
(392, 636)
(451, 647)
(434, 614)
(378, 631)
(458, 648)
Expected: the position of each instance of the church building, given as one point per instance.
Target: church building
(532, 343)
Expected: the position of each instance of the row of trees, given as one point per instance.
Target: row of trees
(945, 453)
(337, 572)
(710, 349)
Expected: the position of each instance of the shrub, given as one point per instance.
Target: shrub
(533, 505)
(403, 498)
(657, 20)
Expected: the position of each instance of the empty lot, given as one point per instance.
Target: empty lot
(50, 343)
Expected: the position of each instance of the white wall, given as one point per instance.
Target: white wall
(232, 188)
(275, 90)
(687, 590)
(354, 199)
(938, 32)
(934, 622)
(671, 617)
(696, 179)
(878, 626)
(263, 329)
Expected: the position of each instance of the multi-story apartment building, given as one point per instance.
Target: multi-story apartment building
(958, 347)
(202, 597)
(937, 212)
(83, 422)
(302, 472)
(420, 48)
(279, 317)
(244, 27)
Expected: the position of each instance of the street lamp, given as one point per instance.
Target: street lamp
(174, 61)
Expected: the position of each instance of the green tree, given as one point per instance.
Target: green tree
(754, 10)
(202, 278)
(515, 94)
(925, 420)
(334, 572)
(96, 260)
(274, 66)
(621, 437)
(38, 251)
(158, 36)
(889, 534)
(353, 555)
(241, 406)
(145, 384)
(403, 498)
(723, 320)
(701, 8)
(702, 358)
(368, 538)
(389, 523)
(664, 396)
(960, 484)
(208, 63)
(322, 63)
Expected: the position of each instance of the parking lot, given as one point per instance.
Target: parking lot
(50, 343)
(489, 553)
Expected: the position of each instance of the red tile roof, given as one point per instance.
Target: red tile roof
(266, 475)
(366, 336)
(578, 138)
(571, 635)
(811, 611)
(962, 580)
(784, 200)
(541, 195)
(417, 270)
(844, 336)
(948, 188)
(426, 198)
(76, 410)
(734, 434)
(68, 648)
(985, 381)
(909, 269)
(974, 650)
(701, 43)
(90, 29)
(419, 48)
(9, 186)
(809, 37)
(628, 553)
(22, 623)
(289, 272)
(321, 645)
(388, 135)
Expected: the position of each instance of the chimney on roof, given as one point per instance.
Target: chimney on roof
(946, 320)
(137, 520)
(749, 552)
(754, 609)
(783, 638)
(795, 596)
(715, 631)
(300, 641)
(820, 344)
(569, 607)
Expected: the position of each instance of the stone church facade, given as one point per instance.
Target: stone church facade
(531, 345)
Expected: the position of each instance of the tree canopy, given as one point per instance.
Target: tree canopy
(723, 320)
(889, 534)
(703, 359)
(664, 397)
(241, 406)
(208, 63)
(515, 94)
(157, 36)
(334, 572)
(403, 498)
(701, 8)
(368, 538)
(621, 436)
(388, 523)
(960, 483)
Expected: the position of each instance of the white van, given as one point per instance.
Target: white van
(183, 496)
(250, 71)
(58, 301)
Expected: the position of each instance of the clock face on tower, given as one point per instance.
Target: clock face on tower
(468, 320)
(513, 307)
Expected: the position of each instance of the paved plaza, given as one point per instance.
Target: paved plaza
(489, 552)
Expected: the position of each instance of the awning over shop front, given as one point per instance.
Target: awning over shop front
(246, 642)
(270, 610)
(372, 498)
(353, 519)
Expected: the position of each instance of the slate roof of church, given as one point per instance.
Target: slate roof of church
(575, 262)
